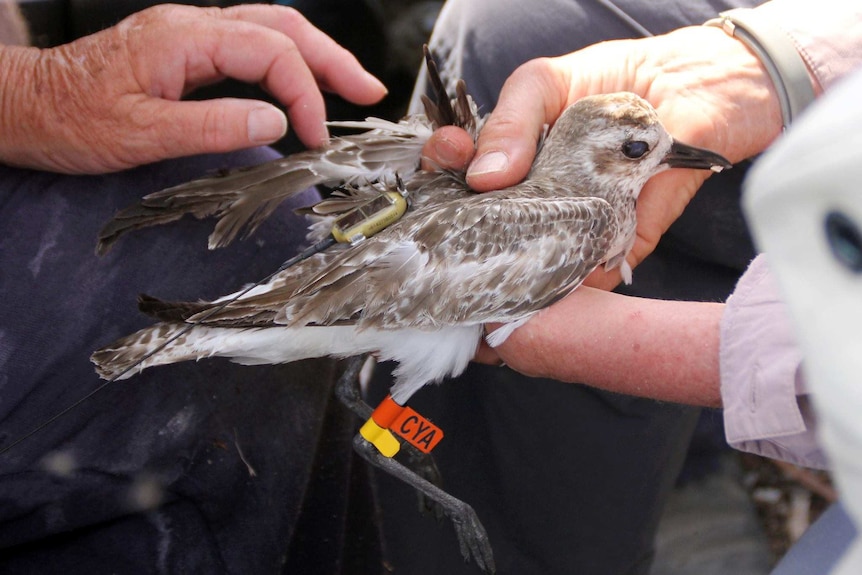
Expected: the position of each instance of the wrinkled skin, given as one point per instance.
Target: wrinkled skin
(110, 101)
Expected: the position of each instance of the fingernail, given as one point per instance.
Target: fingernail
(375, 81)
(446, 152)
(489, 163)
(266, 125)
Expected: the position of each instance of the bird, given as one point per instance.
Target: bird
(420, 291)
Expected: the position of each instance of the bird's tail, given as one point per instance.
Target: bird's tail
(171, 342)
(181, 335)
(134, 353)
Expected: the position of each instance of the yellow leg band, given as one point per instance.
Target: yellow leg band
(380, 437)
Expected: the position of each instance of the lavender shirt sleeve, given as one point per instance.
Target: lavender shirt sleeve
(766, 405)
(828, 36)
(767, 409)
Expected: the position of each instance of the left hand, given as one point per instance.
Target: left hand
(708, 88)
(709, 91)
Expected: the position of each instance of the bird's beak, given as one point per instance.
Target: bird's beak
(685, 156)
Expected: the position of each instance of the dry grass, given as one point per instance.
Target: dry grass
(788, 498)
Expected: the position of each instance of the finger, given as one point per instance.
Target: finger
(334, 68)
(210, 48)
(661, 202)
(486, 355)
(208, 126)
(532, 97)
(250, 53)
(603, 279)
(449, 148)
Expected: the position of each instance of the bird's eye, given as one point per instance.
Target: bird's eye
(635, 149)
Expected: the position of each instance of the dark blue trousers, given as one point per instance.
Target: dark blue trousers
(200, 467)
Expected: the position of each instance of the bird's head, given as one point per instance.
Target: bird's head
(616, 141)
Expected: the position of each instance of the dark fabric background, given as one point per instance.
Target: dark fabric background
(251, 467)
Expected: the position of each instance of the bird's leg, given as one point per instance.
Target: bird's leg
(472, 537)
(347, 388)
(347, 391)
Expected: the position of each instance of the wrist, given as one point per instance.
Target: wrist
(19, 95)
(45, 120)
(777, 53)
(725, 79)
(666, 350)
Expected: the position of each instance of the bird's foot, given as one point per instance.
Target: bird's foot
(425, 467)
(472, 537)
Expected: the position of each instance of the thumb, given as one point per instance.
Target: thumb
(532, 97)
(449, 147)
(220, 125)
(504, 151)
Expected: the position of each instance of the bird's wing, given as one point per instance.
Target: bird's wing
(243, 198)
(498, 259)
(260, 306)
(488, 258)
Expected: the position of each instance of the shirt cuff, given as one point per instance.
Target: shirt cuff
(766, 406)
(827, 37)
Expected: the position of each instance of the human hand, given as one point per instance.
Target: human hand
(111, 101)
(708, 89)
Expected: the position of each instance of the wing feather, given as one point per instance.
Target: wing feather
(241, 199)
(486, 259)
(490, 257)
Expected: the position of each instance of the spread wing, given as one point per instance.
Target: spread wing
(490, 257)
(243, 198)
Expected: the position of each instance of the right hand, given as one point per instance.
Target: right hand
(111, 101)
